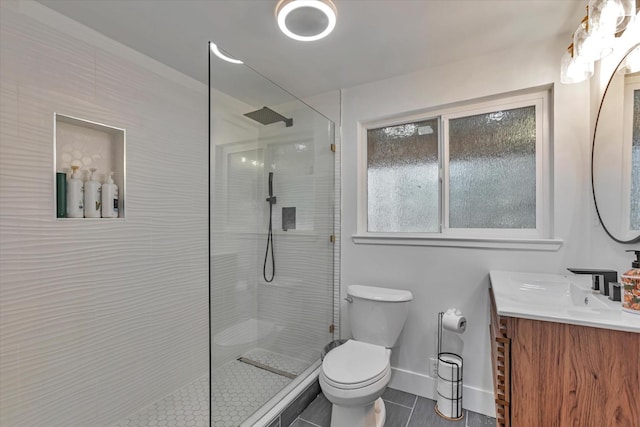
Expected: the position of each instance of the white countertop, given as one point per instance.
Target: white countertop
(560, 298)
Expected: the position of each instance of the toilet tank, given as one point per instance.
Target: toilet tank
(377, 315)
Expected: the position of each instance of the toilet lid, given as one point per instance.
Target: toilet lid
(355, 362)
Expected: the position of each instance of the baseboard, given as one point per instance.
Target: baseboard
(473, 399)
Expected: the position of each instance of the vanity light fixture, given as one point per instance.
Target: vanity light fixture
(595, 37)
(220, 54)
(306, 20)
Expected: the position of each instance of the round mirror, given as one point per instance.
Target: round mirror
(615, 152)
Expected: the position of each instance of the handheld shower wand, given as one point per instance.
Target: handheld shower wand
(272, 201)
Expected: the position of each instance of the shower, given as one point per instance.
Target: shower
(267, 116)
(267, 340)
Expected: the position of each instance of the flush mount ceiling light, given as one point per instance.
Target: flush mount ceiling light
(306, 20)
(217, 52)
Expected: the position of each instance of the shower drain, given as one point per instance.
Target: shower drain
(266, 367)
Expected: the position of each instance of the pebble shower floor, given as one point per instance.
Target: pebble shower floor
(239, 389)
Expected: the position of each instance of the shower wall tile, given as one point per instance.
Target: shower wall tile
(97, 318)
(300, 299)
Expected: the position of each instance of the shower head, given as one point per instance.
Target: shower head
(266, 116)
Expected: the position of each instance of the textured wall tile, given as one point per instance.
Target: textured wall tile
(97, 318)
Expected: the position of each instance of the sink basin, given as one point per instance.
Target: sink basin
(559, 298)
(558, 293)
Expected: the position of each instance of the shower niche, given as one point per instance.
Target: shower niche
(89, 145)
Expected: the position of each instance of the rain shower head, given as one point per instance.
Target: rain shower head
(266, 116)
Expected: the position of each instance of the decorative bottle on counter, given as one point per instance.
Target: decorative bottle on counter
(75, 195)
(92, 199)
(631, 286)
(109, 198)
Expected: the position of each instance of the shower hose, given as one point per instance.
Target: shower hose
(269, 245)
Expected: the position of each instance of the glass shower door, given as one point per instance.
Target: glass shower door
(271, 293)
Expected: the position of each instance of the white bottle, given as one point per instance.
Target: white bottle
(109, 198)
(92, 199)
(75, 195)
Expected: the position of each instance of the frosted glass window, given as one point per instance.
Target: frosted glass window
(635, 163)
(473, 171)
(402, 178)
(492, 170)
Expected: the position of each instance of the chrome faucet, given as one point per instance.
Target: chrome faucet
(599, 278)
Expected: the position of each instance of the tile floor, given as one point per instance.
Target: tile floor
(239, 389)
(188, 406)
(403, 410)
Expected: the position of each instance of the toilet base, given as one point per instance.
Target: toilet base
(372, 415)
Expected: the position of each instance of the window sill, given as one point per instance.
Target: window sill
(550, 245)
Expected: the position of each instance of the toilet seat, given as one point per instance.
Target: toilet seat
(355, 365)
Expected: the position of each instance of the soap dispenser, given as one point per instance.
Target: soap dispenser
(92, 199)
(75, 195)
(631, 286)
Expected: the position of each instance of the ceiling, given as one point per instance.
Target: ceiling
(373, 40)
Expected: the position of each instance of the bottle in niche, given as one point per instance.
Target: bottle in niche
(109, 198)
(92, 199)
(61, 194)
(75, 195)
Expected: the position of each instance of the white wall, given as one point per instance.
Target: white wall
(442, 277)
(97, 318)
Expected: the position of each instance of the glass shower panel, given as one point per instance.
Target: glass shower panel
(266, 335)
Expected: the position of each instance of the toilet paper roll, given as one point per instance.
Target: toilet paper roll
(450, 367)
(454, 321)
(449, 389)
(449, 408)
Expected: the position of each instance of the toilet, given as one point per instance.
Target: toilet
(355, 374)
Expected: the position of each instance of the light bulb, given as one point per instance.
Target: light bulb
(604, 16)
(575, 69)
(591, 47)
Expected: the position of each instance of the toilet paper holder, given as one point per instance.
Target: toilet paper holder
(451, 398)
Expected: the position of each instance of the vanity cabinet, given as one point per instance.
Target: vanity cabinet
(558, 374)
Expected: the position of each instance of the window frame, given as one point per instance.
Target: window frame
(539, 238)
